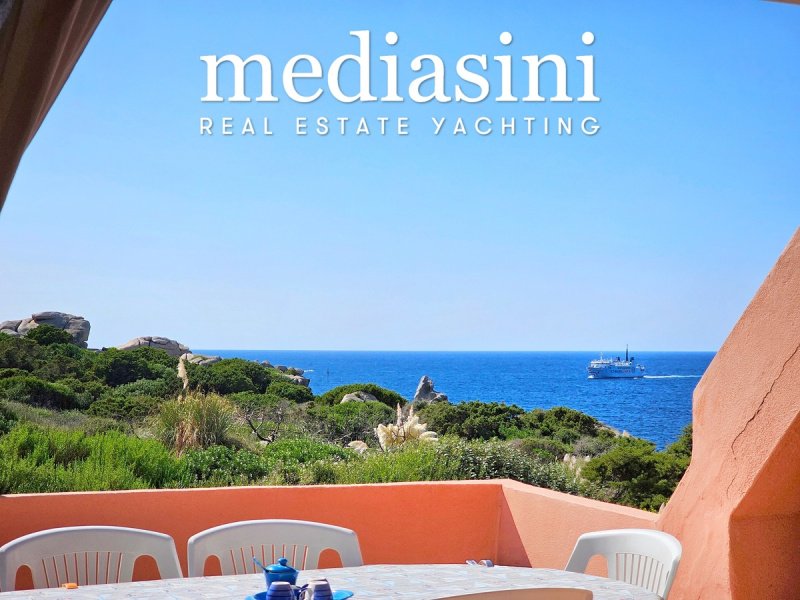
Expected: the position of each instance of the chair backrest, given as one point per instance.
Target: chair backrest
(301, 542)
(85, 555)
(527, 594)
(642, 557)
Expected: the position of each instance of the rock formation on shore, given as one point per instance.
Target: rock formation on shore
(171, 347)
(298, 379)
(426, 393)
(76, 326)
(200, 359)
(358, 396)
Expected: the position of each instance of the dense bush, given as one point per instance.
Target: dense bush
(632, 472)
(197, 421)
(61, 419)
(7, 418)
(229, 376)
(560, 422)
(388, 397)
(32, 390)
(66, 360)
(117, 367)
(223, 466)
(12, 372)
(290, 391)
(291, 460)
(347, 422)
(18, 352)
(125, 407)
(44, 335)
(471, 420)
(168, 385)
(452, 459)
(35, 459)
(303, 450)
(543, 447)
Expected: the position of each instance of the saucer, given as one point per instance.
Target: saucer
(337, 595)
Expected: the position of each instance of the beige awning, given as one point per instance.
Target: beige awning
(40, 42)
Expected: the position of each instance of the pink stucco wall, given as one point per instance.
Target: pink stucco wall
(737, 509)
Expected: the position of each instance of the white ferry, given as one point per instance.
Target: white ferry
(608, 368)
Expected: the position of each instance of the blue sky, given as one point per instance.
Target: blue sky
(656, 232)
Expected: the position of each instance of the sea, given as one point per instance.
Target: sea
(656, 407)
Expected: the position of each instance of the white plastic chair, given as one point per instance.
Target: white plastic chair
(527, 594)
(642, 557)
(85, 555)
(301, 542)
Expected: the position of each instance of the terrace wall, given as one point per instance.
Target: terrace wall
(430, 522)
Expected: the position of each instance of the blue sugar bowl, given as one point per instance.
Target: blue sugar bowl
(281, 572)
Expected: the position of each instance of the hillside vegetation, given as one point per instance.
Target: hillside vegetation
(76, 419)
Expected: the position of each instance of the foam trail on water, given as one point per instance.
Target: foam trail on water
(672, 376)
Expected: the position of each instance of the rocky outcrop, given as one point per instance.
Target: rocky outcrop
(298, 379)
(200, 359)
(359, 396)
(426, 393)
(76, 326)
(171, 347)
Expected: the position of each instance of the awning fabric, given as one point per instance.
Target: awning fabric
(40, 42)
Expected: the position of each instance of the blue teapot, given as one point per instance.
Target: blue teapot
(279, 572)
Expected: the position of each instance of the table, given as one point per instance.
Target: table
(373, 582)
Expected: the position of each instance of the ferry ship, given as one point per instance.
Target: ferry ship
(607, 368)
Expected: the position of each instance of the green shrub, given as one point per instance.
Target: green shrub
(197, 421)
(86, 392)
(223, 466)
(5, 373)
(388, 397)
(17, 352)
(66, 360)
(45, 335)
(166, 386)
(117, 367)
(125, 407)
(560, 422)
(290, 391)
(319, 473)
(302, 450)
(412, 462)
(471, 420)
(229, 376)
(61, 419)
(344, 423)
(32, 390)
(7, 418)
(35, 459)
(544, 448)
(155, 356)
(632, 472)
(682, 447)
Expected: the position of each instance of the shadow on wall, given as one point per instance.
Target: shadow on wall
(765, 527)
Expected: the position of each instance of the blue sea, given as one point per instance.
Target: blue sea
(655, 408)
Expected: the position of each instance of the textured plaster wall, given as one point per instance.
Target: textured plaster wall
(736, 509)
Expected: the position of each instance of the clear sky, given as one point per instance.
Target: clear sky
(655, 232)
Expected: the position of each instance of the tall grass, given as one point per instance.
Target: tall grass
(196, 421)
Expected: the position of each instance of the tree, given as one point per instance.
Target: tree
(45, 335)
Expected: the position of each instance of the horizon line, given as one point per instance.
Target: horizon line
(394, 350)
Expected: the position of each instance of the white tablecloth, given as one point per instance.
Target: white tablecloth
(407, 582)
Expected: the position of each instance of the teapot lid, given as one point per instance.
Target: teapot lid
(281, 567)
